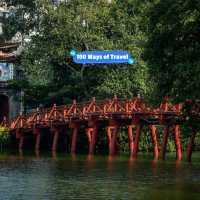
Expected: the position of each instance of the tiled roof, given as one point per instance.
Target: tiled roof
(6, 56)
(8, 45)
(7, 51)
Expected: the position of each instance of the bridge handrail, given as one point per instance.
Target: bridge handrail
(81, 110)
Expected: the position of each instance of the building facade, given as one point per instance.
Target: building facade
(10, 99)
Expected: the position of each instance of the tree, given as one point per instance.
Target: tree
(81, 25)
(173, 48)
(23, 18)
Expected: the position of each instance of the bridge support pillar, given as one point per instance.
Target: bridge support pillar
(177, 142)
(56, 132)
(164, 142)
(88, 132)
(91, 136)
(190, 146)
(74, 128)
(37, 133)
(94, 138)
(154, 141)
(21, 143)
(137, 138)
(131, 140)
(20, 136)
(112, 138)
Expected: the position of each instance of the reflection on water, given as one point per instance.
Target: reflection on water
(57, 176)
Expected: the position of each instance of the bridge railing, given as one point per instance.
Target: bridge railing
(93, 107)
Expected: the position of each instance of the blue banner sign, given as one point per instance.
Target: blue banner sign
(101, 57)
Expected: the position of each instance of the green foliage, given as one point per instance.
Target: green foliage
(82, 25)
(173, 48)
(4, 135)
(191, 110)
(162, 36)
(145, 143)
(23, 18)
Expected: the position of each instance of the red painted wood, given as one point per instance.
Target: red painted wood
(118, 111)
(108, 131)
(131, 140)
(164, 142)
(113, 141)
(74, 140)
(137, 138)
(190, 145)
(177, 142)
(55, 140)
(91, 136)
(154, 141)
(93, 140)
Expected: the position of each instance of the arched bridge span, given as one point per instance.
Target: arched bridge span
(114, 113)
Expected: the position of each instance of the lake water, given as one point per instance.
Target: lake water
(35, 177)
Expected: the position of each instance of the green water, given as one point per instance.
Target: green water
(81, 177)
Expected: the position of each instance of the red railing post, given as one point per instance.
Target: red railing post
(127, 106)
(115, 102)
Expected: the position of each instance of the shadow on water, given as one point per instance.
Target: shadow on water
(61, 176)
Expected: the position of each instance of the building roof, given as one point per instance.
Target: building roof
(7, 56)
(3, 9)
(7, 51)
(8, 45)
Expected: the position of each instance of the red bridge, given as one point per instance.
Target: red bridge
(133, 114)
